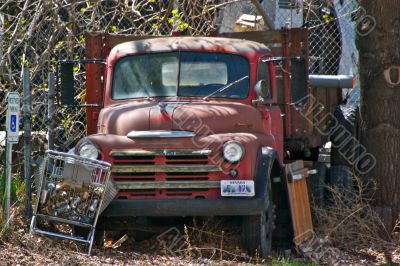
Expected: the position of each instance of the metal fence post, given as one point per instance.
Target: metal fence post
(1, 74)
(1, 37)
(12, 126)
(27, 140)
(7, 203)
(51, 109)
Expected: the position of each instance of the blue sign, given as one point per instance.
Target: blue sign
(13, 117)
(13, 123)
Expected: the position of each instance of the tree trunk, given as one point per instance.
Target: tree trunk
(380, 99)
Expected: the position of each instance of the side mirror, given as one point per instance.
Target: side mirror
(262, 89)
(67, 83)
(299, 80)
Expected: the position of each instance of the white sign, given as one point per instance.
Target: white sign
(237, 188)
(12, 121)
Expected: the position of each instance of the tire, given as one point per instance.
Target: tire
(257, 233)
(317, 182)
(257, 230)
(342, 177)
(342, 152)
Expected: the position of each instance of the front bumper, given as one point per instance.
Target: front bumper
(191, 207)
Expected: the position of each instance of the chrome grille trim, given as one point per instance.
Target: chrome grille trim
(160, 134)
(159, 152)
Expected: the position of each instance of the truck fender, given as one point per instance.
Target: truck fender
(265, 162)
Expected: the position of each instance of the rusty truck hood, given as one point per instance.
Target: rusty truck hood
(203, 118)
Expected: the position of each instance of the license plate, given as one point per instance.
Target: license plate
(237, 188)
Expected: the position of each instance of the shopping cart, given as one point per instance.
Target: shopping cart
(73, 191)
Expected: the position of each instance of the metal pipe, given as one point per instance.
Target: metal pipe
(51, 109)
(329, 81)
(27, 140)
(2, 33)
(8, 180)
(6, 211)
(332, 81)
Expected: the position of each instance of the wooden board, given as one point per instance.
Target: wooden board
(296, 180)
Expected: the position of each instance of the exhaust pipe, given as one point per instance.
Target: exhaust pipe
(332, 81)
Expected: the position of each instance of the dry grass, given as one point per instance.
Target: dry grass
(347, 224)
(349, 231)
(348, 220)
(194, 245)
(209, 240)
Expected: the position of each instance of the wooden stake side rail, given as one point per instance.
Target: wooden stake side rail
(299, 202)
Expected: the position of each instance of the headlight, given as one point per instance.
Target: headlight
(233, 151)
(88, 150)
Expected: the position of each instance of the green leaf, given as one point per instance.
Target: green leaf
(59, 44)
(15, 184)
(81, 38)
(114, 28)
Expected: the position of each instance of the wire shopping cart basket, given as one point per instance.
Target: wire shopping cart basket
(72, 190)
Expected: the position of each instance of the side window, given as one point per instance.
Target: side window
(263, 73)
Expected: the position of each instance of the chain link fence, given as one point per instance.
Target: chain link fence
(36, 34)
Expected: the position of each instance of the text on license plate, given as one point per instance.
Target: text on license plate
(237, 188)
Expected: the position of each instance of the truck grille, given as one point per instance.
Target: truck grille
(164, 174)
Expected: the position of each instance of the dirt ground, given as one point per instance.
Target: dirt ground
(190, 247)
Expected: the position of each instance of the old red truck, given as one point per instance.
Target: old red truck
(203, 126)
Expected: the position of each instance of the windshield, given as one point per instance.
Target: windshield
(186, 74)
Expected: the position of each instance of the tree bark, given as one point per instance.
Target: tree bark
(380, 100)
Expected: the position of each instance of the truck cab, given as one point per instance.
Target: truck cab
(181, 114)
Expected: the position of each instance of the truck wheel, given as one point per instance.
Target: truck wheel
(257, 233)
(257, 230)
(347, 118)
(317, 182)
(341, 177)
